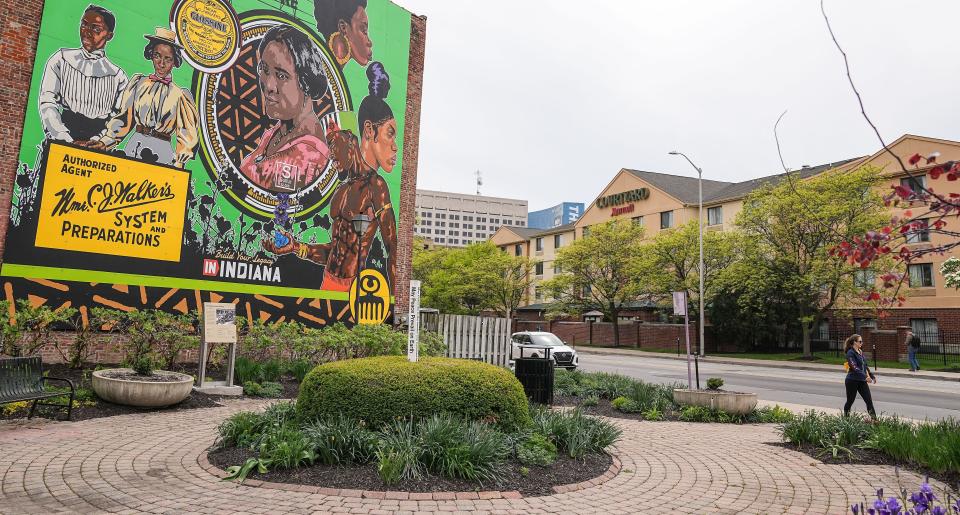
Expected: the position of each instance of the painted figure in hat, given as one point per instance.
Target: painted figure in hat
(156, 110)
(81, 87)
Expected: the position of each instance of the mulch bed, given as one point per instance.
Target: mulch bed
(102, 408)
(872, 457)
(539, 481)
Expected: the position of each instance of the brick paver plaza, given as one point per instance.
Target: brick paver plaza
(149, 463)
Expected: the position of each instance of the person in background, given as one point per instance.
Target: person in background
(858, 375)
(913, 346)
(81, 87)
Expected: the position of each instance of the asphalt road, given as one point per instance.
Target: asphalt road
(907, 397)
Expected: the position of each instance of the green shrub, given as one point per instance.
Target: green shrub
(714, 383)
(398, 456)
(647, 396)
(805, 429)
(271, 390)
(299, 369)
(252, 389)
(768, 415)
(696, 414)
(242, 429)
(573, 432)
(286, 447)
(592, 400)
(456, 448)
(537, 450)
(567, 383)
(382, 389)
(432, 344)
(626, 405)
(143, 365)
(271, 370)
(245, 369)
(341, 440)
(652, 414)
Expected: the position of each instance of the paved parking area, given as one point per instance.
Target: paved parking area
(149, 463)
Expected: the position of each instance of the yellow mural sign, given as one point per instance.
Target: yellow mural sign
(108, 204)
(370, 297)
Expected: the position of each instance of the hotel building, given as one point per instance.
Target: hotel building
(660, 202)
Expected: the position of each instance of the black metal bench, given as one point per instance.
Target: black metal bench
(22, 379)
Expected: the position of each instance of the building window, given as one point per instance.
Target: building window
(666, 219)
(440, 240)
(556, 241)
(586, 232)
(916, 183)
(920, 232)
(864, 279)
(637, 220)
(467, 218)
(921, 275)
(715, 215)
(860, 323)
(517, 251)
(539, 268)
(507, 222)
(442, 215)
(503, 249)
(823, 331)
(556, 269)
(539, 244)
(537, 294)
(441, 231)
(926, 329)
(426, 231)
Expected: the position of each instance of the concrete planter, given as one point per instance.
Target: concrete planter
(146, 394)
(730, 402)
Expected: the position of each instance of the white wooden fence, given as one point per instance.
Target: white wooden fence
(481, 338)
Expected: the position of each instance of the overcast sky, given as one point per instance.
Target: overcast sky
(549, 99)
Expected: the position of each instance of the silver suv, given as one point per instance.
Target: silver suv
(536, 343)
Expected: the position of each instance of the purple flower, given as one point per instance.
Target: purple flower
(938, 510)
(893, 505)
(855, 509)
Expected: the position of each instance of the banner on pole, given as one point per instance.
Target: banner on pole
(680, 303)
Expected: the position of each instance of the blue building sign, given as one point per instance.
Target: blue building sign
(560, 214)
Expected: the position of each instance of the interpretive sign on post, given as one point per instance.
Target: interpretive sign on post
(413, 323)
(680, 303)
(219, 326)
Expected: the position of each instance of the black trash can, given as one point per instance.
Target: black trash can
(536, 376)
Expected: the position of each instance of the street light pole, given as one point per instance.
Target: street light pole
(700, 230)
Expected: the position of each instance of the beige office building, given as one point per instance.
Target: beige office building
(457, 219)
(661, 202)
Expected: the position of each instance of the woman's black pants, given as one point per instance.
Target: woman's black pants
(853, 388)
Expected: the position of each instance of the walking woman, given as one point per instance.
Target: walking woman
(858, 375)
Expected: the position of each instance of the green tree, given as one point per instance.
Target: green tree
(599, 272)
(794, 224)
(470, 279)
(672, 261)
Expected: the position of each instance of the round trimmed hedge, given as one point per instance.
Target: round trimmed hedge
(381, 389)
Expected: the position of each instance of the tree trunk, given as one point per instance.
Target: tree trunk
(806, 339)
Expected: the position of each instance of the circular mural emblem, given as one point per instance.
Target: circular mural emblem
(255, 135)
(209, 32)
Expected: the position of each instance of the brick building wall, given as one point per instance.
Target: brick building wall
(20, 25)
(411, 154)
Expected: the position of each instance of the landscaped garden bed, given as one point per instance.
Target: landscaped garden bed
(929, 448)
(617, 396)
(438, 425)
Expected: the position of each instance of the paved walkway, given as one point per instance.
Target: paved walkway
(771, 363)
(148, 463)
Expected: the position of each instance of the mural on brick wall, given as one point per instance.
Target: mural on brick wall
(182, 151)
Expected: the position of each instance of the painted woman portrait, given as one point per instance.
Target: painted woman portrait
(155, 109)
(291, 153)
(362, 191)
(345, 26)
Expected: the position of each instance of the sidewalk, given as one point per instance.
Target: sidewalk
(881, 372)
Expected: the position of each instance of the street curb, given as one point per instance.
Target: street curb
(882, 372)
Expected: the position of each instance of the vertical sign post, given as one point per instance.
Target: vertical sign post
(413, 323)
(680, 308)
